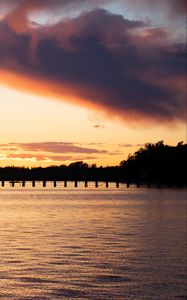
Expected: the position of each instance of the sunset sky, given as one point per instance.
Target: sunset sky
(90, 80)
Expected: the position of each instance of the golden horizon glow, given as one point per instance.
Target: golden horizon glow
(27, 118)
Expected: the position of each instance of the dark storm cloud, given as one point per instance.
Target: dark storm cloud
(127, 68)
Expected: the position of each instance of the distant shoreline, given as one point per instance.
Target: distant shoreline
(155, 164)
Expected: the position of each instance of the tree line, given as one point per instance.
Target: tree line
(154, 163)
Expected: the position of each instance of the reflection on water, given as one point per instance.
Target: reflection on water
(92, 244)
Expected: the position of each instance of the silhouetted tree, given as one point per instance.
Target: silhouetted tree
(157, 163)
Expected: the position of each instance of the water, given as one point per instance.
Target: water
(92, 243)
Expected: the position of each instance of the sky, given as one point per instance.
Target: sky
(90, 80)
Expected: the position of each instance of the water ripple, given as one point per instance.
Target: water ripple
(97, 245)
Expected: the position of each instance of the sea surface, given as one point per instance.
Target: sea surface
(88, 243)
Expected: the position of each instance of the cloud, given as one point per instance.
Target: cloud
(125, 145)
(51, 147)
(25, 156)
(98, 125)
(59, 158)
(126, 68)
(45, 158)
(170, 8)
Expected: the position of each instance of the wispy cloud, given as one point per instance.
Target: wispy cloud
(125, 145)
(26, 156)
(98, 125)
(51, 147)
(45, 158)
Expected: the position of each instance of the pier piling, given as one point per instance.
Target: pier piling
(84, 183)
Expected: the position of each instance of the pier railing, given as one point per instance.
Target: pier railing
(76, 184)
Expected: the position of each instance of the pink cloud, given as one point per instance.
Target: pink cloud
(52, 147)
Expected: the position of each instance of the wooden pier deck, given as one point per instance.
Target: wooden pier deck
(75, 184)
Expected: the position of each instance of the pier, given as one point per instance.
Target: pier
(78, 184)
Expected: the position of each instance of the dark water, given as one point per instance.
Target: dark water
(92, 244)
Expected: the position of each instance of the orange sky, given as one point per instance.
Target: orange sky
(89, 80)
(31, 119)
